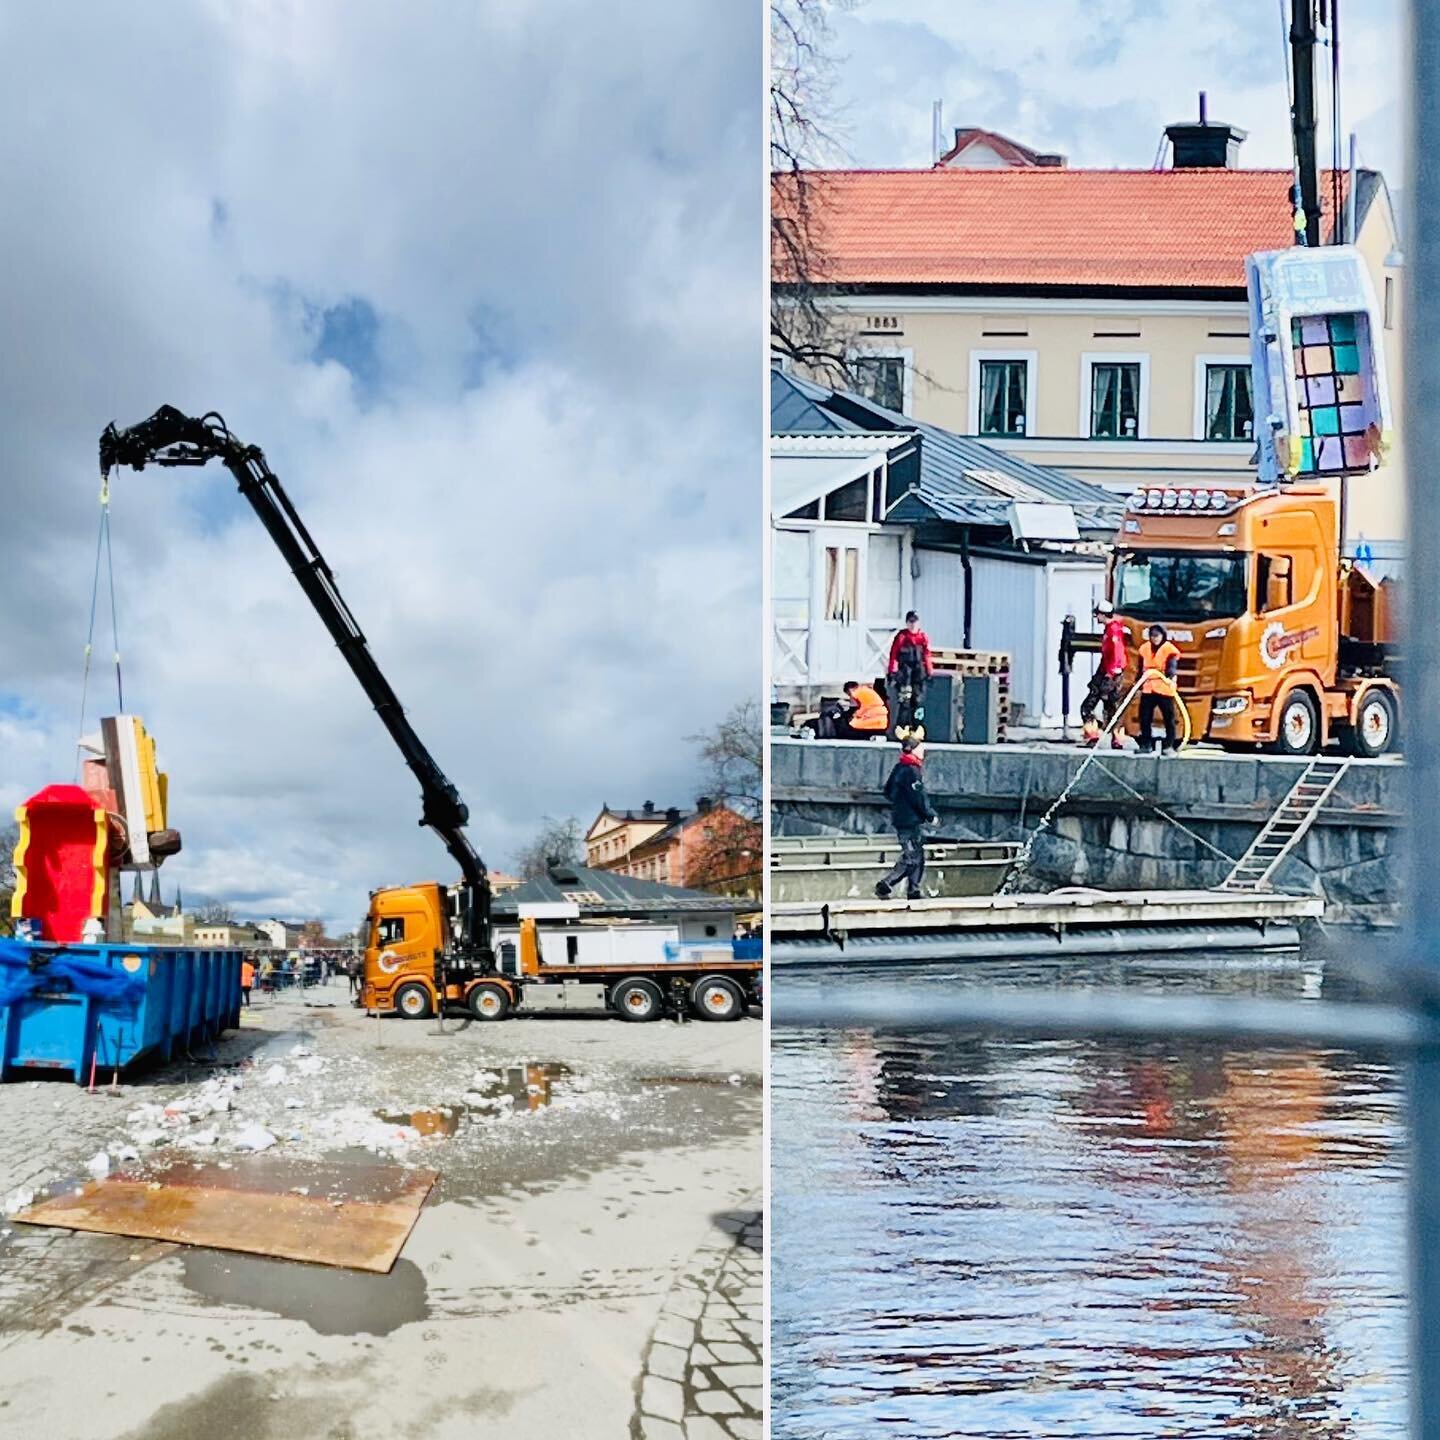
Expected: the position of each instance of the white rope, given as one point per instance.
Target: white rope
(1028, 849)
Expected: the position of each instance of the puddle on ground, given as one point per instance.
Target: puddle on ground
(330, 1301)
(530, 1086)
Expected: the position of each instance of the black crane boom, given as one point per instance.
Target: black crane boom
(169, 437)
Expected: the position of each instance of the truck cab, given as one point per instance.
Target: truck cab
(1249, 586)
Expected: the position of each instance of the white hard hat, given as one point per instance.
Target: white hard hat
(1104, 607)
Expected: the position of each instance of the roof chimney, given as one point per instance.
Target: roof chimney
(703, 803)
(648, 807)
(672, 814)
(1205, 144)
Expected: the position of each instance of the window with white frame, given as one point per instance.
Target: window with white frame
(882, 576)
(1115, 399)
(850, 501)
(1229, 406)
(790, 577)
(842, 583)
(1004, 386)
(881, 377)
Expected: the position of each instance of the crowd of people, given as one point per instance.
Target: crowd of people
(298, 968)
(867, 711)
(894, 707)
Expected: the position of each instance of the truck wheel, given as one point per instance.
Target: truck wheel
(488, 1001)
(1299, 732)
(715, 997)
(637, 1000)
(1374, 730)
(413, 1001)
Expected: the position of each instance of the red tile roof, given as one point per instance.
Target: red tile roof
(1174, 229)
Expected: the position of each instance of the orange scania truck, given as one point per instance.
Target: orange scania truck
(1283, 644)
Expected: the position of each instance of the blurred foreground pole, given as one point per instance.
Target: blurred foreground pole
(1420, 418)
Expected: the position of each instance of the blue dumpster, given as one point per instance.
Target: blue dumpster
(62, 1006)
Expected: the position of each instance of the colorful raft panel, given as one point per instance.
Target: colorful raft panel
(1321, 398)
(62, 876)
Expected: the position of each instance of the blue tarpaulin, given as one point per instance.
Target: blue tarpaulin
(24, 969)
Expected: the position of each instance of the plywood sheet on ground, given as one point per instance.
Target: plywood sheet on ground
(354, 1216)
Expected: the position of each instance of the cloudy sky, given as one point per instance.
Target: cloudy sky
(1099, 80)
(484, 282)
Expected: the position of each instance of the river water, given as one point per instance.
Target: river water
(1001, 1236)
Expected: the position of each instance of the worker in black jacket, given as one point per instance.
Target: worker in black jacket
(909, 810)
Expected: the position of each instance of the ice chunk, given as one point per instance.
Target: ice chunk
(276, 1075)
(18, 1200)
(200, 1138)
(127, 1153)
(310, 1065)
(98, 1164)
(252, 1137)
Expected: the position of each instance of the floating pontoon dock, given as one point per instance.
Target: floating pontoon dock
(1072, 922)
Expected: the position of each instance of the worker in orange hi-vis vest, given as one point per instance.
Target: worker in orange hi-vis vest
(1159, 670)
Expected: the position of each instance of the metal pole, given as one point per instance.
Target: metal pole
(1421, 417)
(1302, 63)
(1350, 191)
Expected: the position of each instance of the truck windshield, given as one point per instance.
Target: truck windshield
(1179, 585)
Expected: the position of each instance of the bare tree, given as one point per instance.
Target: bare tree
(558, 842)
(733, 754)
(214, 912)
(9, 839)
(728, 856)
(802, 116)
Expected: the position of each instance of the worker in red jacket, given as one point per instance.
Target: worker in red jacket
(910, 668)
(1105, 684)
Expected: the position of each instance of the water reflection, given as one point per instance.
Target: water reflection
(991, 1236)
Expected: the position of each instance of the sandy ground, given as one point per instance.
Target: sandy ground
(597, 1171)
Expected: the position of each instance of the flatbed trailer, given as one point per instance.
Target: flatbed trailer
(713, 980)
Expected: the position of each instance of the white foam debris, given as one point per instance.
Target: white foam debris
(252, 1137)
(352, 1126)
(98, 1164)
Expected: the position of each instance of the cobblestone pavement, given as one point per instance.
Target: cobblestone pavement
(703, 1375)
(562, 1232)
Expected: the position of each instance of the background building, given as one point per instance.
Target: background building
(613, 834)
(712, 847)
(1089, 320)
(874, 514)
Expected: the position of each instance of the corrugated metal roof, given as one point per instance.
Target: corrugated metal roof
(961, 479)
(612, 894)
(793, 410)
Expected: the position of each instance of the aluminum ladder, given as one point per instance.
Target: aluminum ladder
(1292, 818)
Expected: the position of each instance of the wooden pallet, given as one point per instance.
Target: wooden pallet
(973, 662)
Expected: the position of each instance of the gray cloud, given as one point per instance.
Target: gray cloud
(486, 288)
(1096, 79)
